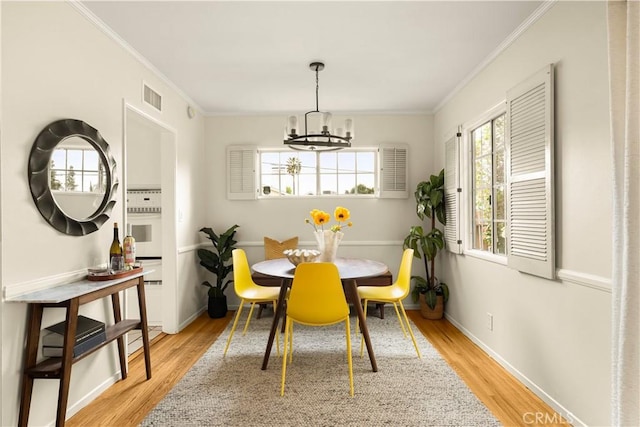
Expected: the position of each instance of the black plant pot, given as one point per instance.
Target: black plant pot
(217, 307)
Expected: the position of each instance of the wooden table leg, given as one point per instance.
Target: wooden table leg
(278, 312)
(67, 360)
(351, 288)
(142, 305)
(117, 317)
(31, 356)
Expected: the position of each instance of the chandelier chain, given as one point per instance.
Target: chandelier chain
(317, 89)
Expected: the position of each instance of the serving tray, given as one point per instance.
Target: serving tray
(99, 276)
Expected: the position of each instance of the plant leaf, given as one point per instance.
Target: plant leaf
(430, 298)
(445, 292)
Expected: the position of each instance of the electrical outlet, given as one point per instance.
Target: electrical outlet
(490, 321)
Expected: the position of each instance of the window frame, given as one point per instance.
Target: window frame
(467, 174)
(376, 175)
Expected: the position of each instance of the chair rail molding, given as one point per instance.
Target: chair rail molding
(584, 279)
(13, 290)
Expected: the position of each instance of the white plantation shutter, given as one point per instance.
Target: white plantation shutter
(452, 193)
(241, 172)
(394, 171)
(530, 193)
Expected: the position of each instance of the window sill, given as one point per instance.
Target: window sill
(498, 259)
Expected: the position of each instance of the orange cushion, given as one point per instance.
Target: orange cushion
(273, 248)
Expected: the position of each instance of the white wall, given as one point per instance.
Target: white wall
(555, 335)
(57, 64)
(143, 154)
(380, 225)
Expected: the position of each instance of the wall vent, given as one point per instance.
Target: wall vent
(151, 97)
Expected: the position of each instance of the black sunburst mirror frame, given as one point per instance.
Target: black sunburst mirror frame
(39, 159)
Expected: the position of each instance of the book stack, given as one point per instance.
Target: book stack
(89, 333)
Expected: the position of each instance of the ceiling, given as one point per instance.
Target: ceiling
(241, 57)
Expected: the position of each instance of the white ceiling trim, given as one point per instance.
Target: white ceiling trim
(126, 46)
(493, 55)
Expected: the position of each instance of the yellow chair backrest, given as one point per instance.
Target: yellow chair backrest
(242, 280)
(317, 296)
(403, 280)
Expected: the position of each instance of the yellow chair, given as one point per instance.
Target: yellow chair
(316, 299)
(250, 292)
(394, 294)
(273, 249)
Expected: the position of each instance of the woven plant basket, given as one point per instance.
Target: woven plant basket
(437, 313)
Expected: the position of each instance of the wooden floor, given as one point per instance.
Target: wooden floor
(172, 356)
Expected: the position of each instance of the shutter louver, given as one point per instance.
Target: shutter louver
(530, 237)
(452, 195)
(394, 174)
(241, 179)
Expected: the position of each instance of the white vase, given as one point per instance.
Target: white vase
(328, 242)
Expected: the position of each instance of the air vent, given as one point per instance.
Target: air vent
(152, 97)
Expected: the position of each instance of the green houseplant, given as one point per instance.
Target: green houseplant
(218, 262)
(430, 203)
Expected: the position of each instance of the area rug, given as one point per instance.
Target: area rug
(406, 391)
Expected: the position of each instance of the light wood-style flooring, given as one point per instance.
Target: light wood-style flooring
(126, 403)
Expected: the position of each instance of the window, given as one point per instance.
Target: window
(76, 170)
(511, 163)
(307, 173)
(488, 185)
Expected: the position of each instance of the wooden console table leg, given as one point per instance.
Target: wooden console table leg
(117, 317)
(142, 305)
(31, 356)
(67, 360)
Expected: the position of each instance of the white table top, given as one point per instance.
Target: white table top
(68, 291)
(349, 268)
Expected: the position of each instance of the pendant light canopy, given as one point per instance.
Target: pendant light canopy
(317, 134)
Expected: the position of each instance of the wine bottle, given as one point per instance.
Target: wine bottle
(116, 261)
(129, 247)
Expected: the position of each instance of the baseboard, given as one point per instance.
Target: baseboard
(554, 404)
(191, 318)
(89, 397)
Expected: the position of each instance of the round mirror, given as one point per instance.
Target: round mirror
(72, 177)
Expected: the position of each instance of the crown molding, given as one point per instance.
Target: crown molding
(541, 10)
(101, 25)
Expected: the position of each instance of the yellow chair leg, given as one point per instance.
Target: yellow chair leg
(349, 361)
(246, 325)
(290, 342)
(284, 358)
(358, 322)
(404, 331)
(413, 338)
(233, 328)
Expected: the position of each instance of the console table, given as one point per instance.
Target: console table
(71, 296)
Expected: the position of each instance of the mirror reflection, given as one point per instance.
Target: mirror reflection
(77, 178)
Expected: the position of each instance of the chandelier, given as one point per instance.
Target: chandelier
(317, 134)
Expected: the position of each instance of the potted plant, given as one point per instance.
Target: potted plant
(217, 262)
(430, 202)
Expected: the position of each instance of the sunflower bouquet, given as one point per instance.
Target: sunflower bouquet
(321, 218)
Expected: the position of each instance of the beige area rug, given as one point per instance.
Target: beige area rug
(406, 391)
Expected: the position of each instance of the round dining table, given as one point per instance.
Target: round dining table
(350, 270)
